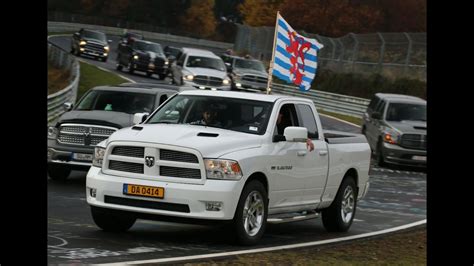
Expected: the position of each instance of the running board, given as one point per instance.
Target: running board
(301, 217)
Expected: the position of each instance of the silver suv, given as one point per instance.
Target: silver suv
(395, 127)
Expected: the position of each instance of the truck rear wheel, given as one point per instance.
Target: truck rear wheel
(58, 172)
(250, 217)
(112, 220)
(339, 216)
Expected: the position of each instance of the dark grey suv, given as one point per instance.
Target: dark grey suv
(395, 127)
(100, 112)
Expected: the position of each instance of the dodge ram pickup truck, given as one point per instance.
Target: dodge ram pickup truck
(239, 172)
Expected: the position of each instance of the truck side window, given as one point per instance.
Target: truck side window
(373, 103)
(380, 107)
(180, 61)
(307, 120)
(288, 118)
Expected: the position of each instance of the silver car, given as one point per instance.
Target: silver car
(395, 127)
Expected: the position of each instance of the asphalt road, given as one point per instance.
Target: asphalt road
(396, 197)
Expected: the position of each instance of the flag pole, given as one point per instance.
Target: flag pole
(270, 70)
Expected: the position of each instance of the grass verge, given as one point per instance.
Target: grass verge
(402, 248)
(348, 118)
(92, 76)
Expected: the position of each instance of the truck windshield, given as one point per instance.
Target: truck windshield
(95, 35)
(406, 111)
(149, 47)
(118, 101)
(206, 62)
(240, 115)
(250, 64)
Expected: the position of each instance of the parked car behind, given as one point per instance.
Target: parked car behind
(99, 113)
(395, 127)
(90, 42)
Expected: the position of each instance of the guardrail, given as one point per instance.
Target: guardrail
(73, 27)
(56, 100)
(331, 102)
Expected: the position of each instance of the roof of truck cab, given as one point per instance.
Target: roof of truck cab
(243, 95)
(390, 96)
(135, 89)
(199, 52)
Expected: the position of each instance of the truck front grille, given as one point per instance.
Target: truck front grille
(90, 46)
(85, 135)
(177, 156)
(129, 151)
(207, 80)
(413, 141)
(180, 172)
(253, 78)
(126, 167)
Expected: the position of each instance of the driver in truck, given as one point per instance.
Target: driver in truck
(283, 122)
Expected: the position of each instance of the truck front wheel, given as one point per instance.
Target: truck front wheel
(339, 216)
(58, 172)
(251, 215)
(112, 220)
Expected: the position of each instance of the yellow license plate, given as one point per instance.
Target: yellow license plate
(144, 191)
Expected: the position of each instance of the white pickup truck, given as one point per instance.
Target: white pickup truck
(241, 170)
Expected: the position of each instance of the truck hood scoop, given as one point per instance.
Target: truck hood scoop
(205, 134)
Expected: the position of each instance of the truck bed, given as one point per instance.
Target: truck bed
(339, 137)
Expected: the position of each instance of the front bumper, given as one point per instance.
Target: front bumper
(193, 196)
(251, 86)
(94, 52)
(395, 154)
(69, 155)
(150, 67)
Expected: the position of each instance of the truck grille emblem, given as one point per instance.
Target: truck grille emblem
(149, 161)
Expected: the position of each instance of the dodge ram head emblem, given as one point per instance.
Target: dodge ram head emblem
(149, 161)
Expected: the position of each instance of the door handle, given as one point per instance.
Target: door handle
(301, 153)
(323, 153)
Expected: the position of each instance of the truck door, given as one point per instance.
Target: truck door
(316, 162)
(285, 163)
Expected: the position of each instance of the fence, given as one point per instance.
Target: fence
(391, 54)
(62, 59)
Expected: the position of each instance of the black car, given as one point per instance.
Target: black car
(90, 42)
(172, 53)
(100, 112)
(143, 56)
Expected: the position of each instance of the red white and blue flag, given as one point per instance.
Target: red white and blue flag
(295, 56)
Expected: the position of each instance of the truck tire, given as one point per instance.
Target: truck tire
(149, 74)
(58, 172)
(250, 217)
(162, 76)
(379, 154)
(339, 216)
(130, 68)
(112, 220)
(119, 67)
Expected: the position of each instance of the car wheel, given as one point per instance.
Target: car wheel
(58, 172)
(250, 217)
(339, 216)
(149, 74)
(112, 220)
(119, 67)
(379, 155)
(130, 68)
(162, 76)
(104, 59)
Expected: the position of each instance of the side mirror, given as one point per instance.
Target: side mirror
(67, 106)
(376, 115)
(109, 41)
(139, 118)
(296, 134)
(77, 34)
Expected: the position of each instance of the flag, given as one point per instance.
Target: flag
(295, 56)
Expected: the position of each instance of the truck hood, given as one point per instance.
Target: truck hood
(151, 55)
(417, 127)
(187, 136)
(103, 118)
(207, 72)
(94, 41)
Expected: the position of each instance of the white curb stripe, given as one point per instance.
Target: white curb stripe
(241, 252)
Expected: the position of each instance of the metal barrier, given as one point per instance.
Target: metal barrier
(61, 58)
(331, 102)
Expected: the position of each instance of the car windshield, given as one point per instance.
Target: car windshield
(117, 101)
(173, 51)
(149, 47)
(206, 62)
(406, 111)
(250, 64)
(240, 115)
(95, 35)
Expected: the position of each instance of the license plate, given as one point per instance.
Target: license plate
(151, 65)
(144, 191)
(419, 158)
(82, 156)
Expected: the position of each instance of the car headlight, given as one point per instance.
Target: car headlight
(98, 157)
(226, 82)
(167, 62)
(188, 77)
(391, 137)
(135, 57)
(82, 43)
(52, 133)
(106, 48)
(222, 169)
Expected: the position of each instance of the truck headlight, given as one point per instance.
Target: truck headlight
(390, 138)
(188, 77)
(82, 43)
(106, 48)
(98, 157)
(167, 62)
(222, 169)
(52, 133)
(135, 57)
(226, 82)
